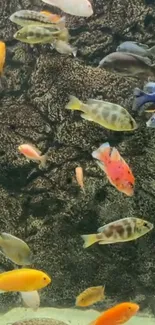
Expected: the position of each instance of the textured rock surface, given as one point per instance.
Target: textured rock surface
(47, 208)
(43, 321)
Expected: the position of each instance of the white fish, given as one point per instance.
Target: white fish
(31, 299)
(64, 47)
(81, 8)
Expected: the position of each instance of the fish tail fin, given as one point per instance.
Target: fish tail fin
(151, 51)
(43, 160)
(74, 51)
(97, 153)
(140, 98)
(74, 103)
(89, 240)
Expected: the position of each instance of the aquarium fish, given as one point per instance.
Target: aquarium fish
(81, 8)
(117, 315)
(149, 87)
(64, 47)
(128, 64)
(90, 296)
(119, 231)
(32, 34)
(109, 115)
(32, 153)
(23, 280)
(136, 48)
(141, 98)
(79, 177)
(31, 299)
(116, 169)
(15, 249)
(30, 17)
(151, 122)
(2, 56)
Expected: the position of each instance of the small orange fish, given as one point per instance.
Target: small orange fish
(116, 169)
(117, 315)
(23, 280)
(53, 17)
(2, 56)
(79, 177)
(90, 296)
(32, 153)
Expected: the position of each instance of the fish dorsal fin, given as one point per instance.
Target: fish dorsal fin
(115, 155)
(141, 58)
(93, 101)
(144, 46)
(101, 229)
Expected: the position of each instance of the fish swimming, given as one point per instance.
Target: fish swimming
(30, 17)
(128, 64)
(31, 299)
(2, 56)
(33, 153)
(109, 115)
(117, 315)
(81, 8)
(149, 87)
(119, 231)
(151, 122)
(64, 48)
(79, 177)
(141, 98)
(90, 296)
(15, 249)
(32, 34)
(136, 48)
(23, 280)
(116, 169)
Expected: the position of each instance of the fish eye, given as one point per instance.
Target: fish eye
(44, 278)
(129, 308)
(145, 224)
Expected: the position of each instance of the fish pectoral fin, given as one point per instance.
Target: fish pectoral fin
(101, 165)
(86, 117)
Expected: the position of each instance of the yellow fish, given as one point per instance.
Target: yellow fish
(109, 115)
(23, 280)
(90, 296)
(15, 249)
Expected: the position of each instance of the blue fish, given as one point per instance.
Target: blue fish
(141, 98)
(149, 87)
(151, 122)
(136, 48)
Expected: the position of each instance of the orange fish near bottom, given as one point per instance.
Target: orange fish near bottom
(116, 169)
(117, 315)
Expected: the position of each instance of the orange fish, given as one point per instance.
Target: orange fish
(79, 177)
(23, 280)
(117, 315)
(118, 172)
(2, 56)
(32, 153)
(53, 17)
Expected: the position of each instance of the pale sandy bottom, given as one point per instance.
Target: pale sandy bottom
(69, 316)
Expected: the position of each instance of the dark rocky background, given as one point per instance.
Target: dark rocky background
(46, 208)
